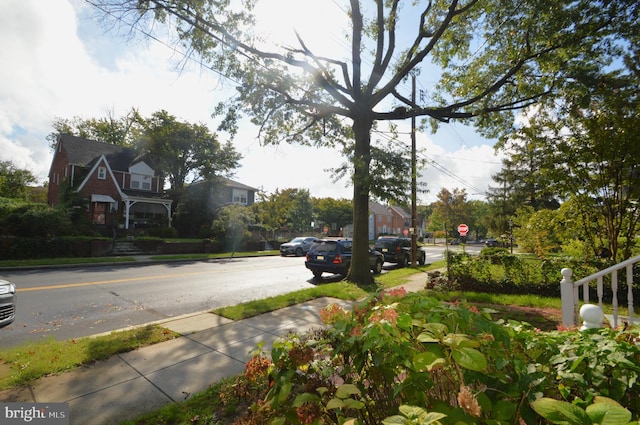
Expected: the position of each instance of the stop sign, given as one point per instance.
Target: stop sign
(463, 229)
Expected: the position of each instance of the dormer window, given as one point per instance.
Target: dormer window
(141, 176)
(138, 181)
(102, 173)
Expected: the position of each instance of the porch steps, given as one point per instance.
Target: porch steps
(122, 248)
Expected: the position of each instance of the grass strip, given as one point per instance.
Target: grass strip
(32, 360)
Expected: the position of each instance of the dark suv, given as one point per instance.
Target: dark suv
(397, 250)
(334, 256)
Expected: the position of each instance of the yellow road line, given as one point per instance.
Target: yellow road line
(133, 279)
(104, 282)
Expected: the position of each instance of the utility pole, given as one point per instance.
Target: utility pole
(414, 173)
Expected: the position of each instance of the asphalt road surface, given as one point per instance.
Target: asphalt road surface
(76, 302)
(81, 301)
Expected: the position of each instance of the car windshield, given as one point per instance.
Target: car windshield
(324, 246)
(297, 240)
(385, 243)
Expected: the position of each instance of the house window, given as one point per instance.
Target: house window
(139, 181)
(102, 173)
(240, 196)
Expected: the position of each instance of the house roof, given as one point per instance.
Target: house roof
(84, 152)
(378, 209)
(231, 183)
(400, 211)
(223, 181)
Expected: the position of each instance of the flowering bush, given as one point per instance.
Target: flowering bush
(409, 359)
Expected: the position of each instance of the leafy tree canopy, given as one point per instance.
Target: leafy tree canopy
(14, 182)
(496, 56)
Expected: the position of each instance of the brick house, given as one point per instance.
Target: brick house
(122, 188)
(380, 220)
(401, 221)
(390, 220)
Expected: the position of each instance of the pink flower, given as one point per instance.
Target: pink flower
(332, 313)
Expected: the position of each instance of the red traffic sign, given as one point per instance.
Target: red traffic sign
(463, 229)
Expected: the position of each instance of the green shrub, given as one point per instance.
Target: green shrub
(398, 356)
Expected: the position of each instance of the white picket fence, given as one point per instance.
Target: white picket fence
(570, 291)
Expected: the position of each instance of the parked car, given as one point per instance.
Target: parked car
(492, 243)
(297, 246)
(397, 250)
(334, 256)
(7, 302)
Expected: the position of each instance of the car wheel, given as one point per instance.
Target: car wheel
(317, 274)
(402, 262)
(422, 259)
(377, 267)
(299, 252)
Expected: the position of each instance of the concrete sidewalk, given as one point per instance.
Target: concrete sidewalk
(210, 348)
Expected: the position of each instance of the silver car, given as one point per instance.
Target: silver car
(7, 302)
(297, 246)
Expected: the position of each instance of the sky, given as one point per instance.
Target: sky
(59, 61)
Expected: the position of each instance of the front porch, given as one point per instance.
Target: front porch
(570, 292)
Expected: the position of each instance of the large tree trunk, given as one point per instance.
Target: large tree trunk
(360, 272)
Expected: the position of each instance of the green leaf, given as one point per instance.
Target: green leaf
(504, 410)
(305, 398)
(347, 390)
(470, 358)
(427, 337)
(460, 340)
(428, 361)
(606, 411)
(335, 403)
(350, 403)
(395, 420)
(560, 412)
(436, 329)
(404, 321)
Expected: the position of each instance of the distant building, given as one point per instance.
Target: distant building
(122, 188)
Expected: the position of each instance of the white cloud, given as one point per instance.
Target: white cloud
(62, 64)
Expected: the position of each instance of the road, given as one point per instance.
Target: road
(81, 301)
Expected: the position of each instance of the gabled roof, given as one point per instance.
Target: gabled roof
(400, 211)
(378, 209)
(84, 152)
(225, 182)
(234, 184)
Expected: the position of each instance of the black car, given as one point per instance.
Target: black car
(398, 250)
(7, 302)
(297, 246)
(334, 256)
(492, 243)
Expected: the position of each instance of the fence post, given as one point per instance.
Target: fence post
(566, 296)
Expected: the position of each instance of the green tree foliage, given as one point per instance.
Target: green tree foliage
(452, 208)
(123, 131)
(497, 56)
(289, 209)
(333, 213)
(181, 149)
(14, 182)
(587, 150)
(231, 227)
